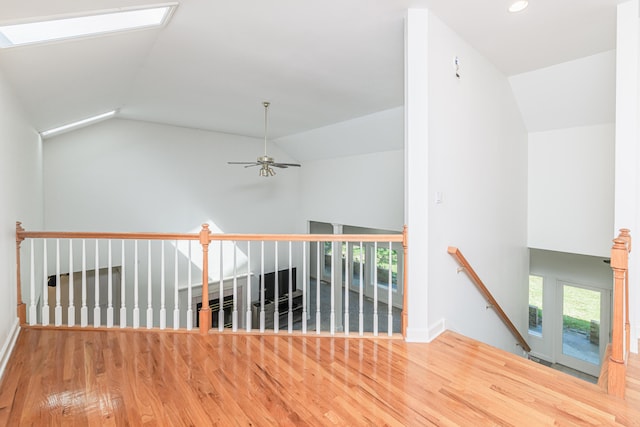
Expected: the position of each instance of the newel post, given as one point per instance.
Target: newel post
(205, 310)
(22, 307)
(625, 235)
(405, 275)
(617, 371)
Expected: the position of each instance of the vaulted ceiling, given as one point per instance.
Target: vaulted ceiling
(318, 62)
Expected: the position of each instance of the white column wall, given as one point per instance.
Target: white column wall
(627, 154)
(466, 154)
(416, 171)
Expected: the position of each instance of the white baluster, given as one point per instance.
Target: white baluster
(221, 292)
(276, 298)
(318, 278)
(361, 292)
(390, 297)
(163, 308)
(149, 289)
(176, 296)
(374, 262)
(96, 286)
(45, 287)
(261, 290)
(33, 310)
(123, 289)
(58, 309)
(290, 317)
(346, 290)
(304, 287)
(248, 292)
(189, 309)
(234, 313)
(332, 317)
(109, 286)
(84, 310)
(71, 310)
(136, 307)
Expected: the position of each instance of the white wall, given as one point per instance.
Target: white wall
(570, 94)
(571, 199)
(364, 190)
(477, 161)
(627, 155)
(124, 175)
(377, 132)
(353, 172)
(20, 200)
(569, 110)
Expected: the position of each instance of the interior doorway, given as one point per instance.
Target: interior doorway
(569, 316)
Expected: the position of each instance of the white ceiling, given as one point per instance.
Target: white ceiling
(318, 61)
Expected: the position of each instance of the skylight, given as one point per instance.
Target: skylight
(78, 124)
(82, 26)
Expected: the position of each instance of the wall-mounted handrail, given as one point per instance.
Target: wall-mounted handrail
(455, 252)
(617, 369)
(205, 239)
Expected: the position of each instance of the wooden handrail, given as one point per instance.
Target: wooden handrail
(619, 339)
(397, 238)
(455, 252)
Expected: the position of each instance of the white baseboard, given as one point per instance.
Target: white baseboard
(436, 329)
(417, 335)
(7, 346)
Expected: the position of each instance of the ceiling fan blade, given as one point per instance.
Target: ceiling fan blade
(243, 163)
(253, 165)
(286, 165)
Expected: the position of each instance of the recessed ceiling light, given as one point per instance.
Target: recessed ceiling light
(78, 124)
(518, 6)
(82, 26)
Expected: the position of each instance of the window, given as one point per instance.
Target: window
(60, 28)
(382, 264)
(535, 304)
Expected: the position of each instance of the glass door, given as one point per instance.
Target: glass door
(584, 327)
(388, 266)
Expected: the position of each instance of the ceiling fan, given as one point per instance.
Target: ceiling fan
(265, 162)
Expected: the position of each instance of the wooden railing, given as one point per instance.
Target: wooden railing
(166, 280)
(455, 252)
(621, 332)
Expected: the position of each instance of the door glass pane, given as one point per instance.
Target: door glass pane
(384, 258)
(359, 263)
(535, 305)
(581, 324)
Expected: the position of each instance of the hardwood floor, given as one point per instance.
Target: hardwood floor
(72, 377)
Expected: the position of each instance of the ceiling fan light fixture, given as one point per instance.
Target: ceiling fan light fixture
(518, 6)
(266, 171)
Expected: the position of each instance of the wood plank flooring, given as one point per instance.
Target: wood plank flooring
(114, 378)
